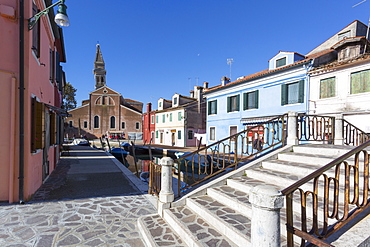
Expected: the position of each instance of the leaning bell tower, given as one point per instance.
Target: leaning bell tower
(99, 69)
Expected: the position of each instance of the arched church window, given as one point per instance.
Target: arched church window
(112, 122)
(104, 100)
(96, 122)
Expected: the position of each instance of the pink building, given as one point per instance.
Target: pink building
(31, 91)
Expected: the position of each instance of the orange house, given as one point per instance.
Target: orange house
(32, 80)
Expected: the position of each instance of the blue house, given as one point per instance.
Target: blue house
(253, 99)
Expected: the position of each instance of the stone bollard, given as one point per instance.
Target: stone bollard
(338, 134)
(292, 128)
(266, 204)
(166, 195)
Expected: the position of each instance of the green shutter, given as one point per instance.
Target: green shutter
(215, 106)
(245, 101)
(301, 91)
(209, 107)
(284, 94)
(238, 102)
(228, 104)
(256, 98)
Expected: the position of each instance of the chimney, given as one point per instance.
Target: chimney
(225, 80)
(205, 84)
(148, 107)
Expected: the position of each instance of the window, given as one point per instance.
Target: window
(292, 93)
(170, 117)
(156, 134)
(179, 116)
(156, 119)
(281, 62)
(174, 101)
(52, 65)
(250, 100)
(85, 124)
(160, 104)
(112, 122)
(137, 125)
(233, 131)
(327, 88)
(190, 135)
(344, 35)
(179, 134)
(233, 103)
(152, 119)
(70, 124)
(36, 33)
(123, 125)
(163, 118)
(96, 122)
(212, 133)
(212, 107)
(37, 125)
(360, 82)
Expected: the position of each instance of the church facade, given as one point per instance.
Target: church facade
(106, 112)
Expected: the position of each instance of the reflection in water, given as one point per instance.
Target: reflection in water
(141, 167)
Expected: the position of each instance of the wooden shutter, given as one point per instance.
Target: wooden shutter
(301, 91)
(284, 94)
(228, 104)
(245, 101)
(256, 98)
(238, 102)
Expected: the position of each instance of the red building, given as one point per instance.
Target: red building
(149, 124)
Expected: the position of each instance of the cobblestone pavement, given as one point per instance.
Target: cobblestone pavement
(103, 221)
(90, 199)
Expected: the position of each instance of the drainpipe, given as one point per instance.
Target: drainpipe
(21, 102)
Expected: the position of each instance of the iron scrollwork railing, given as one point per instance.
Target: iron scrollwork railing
(226, 154)
(315, 128)
(337, 188)
(353, 135)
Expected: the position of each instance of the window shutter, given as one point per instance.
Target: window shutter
(284, 94)
(256, 98)
(245, 101)
(238, 102)
(228, 104)
(215, 106)
(301, 91)
(209, 107)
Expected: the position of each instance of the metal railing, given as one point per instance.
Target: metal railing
(353, 135)
(227, 154)
(331, 197)
(315, 128)
(154, 178)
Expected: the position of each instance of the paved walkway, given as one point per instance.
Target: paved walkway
(89, 200)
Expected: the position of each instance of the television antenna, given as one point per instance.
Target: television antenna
(230, 61)
(359, 3)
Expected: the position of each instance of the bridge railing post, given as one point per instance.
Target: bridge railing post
(166, 195)
(292, 128)
(266, 203)
(338, 135)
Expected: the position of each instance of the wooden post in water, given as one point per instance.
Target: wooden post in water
(133, 154)
(108, 144)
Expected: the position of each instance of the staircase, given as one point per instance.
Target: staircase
(219, 213)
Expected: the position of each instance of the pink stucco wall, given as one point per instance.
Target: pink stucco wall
(37, 84)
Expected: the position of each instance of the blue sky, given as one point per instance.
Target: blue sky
(155, 48)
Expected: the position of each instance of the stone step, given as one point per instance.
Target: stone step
(322, 149)
(304, 158)
(228, 222)
(193, 229)
(300, 169)
(156, 232)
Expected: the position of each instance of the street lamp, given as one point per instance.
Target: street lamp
(61, 17)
